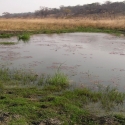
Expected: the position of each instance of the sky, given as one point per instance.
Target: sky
(19, 6)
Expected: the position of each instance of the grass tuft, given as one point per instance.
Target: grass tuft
(59, 79)
(24, 37)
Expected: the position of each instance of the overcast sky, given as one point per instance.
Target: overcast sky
(17, 6)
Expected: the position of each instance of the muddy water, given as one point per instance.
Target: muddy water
(87, 58)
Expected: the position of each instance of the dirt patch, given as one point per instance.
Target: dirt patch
(52, 121)
(4, 118)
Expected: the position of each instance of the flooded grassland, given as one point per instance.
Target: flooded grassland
(65, 79)
(87, 58)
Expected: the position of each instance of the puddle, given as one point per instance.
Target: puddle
(87, 58)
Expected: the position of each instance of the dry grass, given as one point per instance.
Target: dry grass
(57, 24)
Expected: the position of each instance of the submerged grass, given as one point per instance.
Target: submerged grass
(7, 43)
(26, 98)
(110, 97)
(5, 35)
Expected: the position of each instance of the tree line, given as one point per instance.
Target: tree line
(107, 9)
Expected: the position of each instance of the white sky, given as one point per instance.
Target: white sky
(18, 6)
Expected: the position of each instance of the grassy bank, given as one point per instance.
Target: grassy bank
(29, 99)
(17, 26)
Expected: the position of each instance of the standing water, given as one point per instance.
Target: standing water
(87, 58)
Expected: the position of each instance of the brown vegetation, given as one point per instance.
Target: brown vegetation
(107, 16)
(60, 24)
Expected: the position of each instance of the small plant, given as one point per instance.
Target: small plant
(59, 79)
(24, 37)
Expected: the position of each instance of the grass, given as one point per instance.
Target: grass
(24, 37)
(20, 77)
(7, 43)
(5, 35)
(51, 25)
(26, 98)
(59, 79)
(110, 97)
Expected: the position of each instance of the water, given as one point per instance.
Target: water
(87, 58)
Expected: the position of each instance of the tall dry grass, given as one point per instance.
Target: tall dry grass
(59, 24)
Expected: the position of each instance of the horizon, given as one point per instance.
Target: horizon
(17, 6)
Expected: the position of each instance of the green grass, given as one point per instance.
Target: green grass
(5, 35)
(120, 118)
(59, 79)
(7, 43)
(24, 37)
(34, 105)
(18, 121)
(82, 29)
(110, 97)
(27, 98)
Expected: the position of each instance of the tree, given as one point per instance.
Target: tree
(42, 12)
(66, 11)
(108, 2)
(124, 1)
(5, 13)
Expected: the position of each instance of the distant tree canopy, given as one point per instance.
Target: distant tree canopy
(5, 13)
(106, 9)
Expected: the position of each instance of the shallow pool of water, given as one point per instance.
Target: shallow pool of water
(87, 58)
